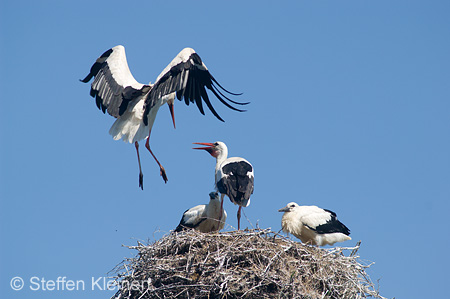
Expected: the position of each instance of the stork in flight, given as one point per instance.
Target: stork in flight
(314, 225)
(135, 105)
(205, 218)
(233, 176)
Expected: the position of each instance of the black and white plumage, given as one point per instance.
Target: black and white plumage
(135, 105)
(205, 218)
(234, 176)
(314, 225)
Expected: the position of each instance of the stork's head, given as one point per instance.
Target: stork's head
(289, 208)
(215, 149)
(213, 195)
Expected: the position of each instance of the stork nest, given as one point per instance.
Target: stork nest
(241, 264)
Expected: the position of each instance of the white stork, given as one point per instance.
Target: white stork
(313, 224)
(233, 177)
(205, 218)
(135, 105)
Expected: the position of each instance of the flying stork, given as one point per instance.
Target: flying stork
(313, 224)
(205, 218)
(134, 105)
(233, 176)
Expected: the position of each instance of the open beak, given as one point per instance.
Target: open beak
(285, 209)
(172, 113)
(208, 146)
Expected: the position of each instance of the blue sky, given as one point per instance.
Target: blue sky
(349, 111)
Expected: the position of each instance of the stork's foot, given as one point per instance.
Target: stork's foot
(141, 181)
(162, 172)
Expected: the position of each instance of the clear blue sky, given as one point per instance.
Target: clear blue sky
(350, 111)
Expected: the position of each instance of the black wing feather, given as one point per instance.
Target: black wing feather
(183, 225)
(97, 66)
(331, 226)
(204, 95)
(198, 79)
(237, 185)
(224, 102)
(229, 92)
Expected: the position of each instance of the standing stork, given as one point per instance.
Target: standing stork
(135, 105)
(233, 176)
(205, 218)
(313, 224)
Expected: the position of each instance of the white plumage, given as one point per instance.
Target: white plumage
(314, 225)
(135, 105)
(234, 176)
(205, 218)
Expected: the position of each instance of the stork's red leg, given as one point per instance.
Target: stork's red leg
(162, 171)
(141, 176)
(239, 217)
(172, 114)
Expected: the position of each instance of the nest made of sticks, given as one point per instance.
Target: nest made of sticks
(241, 264)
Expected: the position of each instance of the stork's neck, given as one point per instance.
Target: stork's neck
(222, 156)
(214, 205)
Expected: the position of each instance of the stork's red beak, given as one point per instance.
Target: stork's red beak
(209, 147)
(172, 113)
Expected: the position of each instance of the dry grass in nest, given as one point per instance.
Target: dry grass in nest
(241, 264)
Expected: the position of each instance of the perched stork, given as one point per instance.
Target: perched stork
(313, 224)
(205, 218)
(135, 105)
(233, 176)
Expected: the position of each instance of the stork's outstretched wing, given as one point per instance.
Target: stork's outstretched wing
(187, 76)
(114, 87)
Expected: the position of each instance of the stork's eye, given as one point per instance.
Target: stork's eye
(216, 144)
(292, 206)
